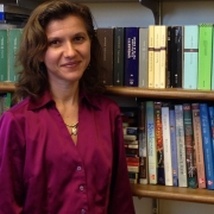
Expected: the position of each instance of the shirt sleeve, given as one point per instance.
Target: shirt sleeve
(121, 200)
(11, 165)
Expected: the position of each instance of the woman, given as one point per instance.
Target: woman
(61, 146)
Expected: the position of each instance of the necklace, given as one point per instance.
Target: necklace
(74, 128)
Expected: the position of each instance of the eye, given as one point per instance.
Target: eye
(79, 39)
(54, 42)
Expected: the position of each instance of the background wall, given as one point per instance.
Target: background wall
(174, 13)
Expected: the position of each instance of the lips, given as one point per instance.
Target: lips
(70, 64)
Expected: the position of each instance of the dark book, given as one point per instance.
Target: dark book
(131, 68)
(176, 56)
(106, 39)
(118, 65)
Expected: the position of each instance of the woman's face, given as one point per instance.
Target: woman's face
(68, 52)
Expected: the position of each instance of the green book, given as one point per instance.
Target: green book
(14, 36)
(205, 56)
(3, 54)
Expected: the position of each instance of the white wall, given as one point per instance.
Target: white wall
(134, 14)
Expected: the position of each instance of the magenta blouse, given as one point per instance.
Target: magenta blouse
(43, 172)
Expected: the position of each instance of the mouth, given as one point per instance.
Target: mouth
(70, 64)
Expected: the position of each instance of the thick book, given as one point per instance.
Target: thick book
(181, 151)
(190, 51)
(197, 130)
(176, 55)
(131, 56)
(189, 143)
(14, 39)
(151, 143)
(167, 145)
(173, 144)
(205, 56)
(106, 39)
(143, 57)
(159, 142)
(118, 65)
(143, 174)
(207, 145)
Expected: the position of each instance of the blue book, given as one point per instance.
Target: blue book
(190, 51)
(131, 56)
(211, 114)
(173, 146)
(207, 145)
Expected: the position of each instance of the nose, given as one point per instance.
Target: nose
(69, 49)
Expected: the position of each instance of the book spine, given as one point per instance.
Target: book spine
(131, 56)
(167, 146)
(205, 56)
(151, 39)
(151, 144)
(190, 52)
(3, 54)
(143, 175)
(207, 145)
(181, 151)
(118, 70)
(14, 37)
(173, 145)
(189, 143)
(159, 142)
(198, 145)
(106, 39)
(143, 57)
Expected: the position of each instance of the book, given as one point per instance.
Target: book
(143, 57)
(3, 54)
(106, 39)
(160, 60)
(173, 144)
(181, 151)
(207, 145)
(151, 143)
(197, 130)
(167, 145)
(143, 174)
(151, 53)
(118, 65)
(205, 56)
(131, 58)
(190, 54)
(189, 144)
(176, 53)
(159, 142)
(14, 39)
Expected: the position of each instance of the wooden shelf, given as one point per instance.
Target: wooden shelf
(173, 193)
(7, 87)
(170, 93)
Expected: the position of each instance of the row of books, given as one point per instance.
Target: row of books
(9, 43)
(170, 144)
(5, 102)
(159, 56)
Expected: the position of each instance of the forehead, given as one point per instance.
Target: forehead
(69, 22)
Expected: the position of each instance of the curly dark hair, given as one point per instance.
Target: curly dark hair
(33, 78)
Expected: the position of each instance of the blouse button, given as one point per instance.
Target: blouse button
(79, 168)
(83, 211)
(81, 188)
